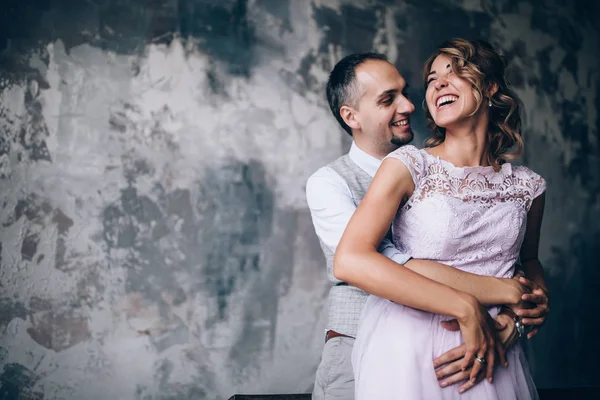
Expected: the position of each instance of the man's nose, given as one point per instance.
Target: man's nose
(405, 106)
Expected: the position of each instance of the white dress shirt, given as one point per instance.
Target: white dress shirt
(331, 203)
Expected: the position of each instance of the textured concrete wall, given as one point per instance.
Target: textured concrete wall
(155, 241)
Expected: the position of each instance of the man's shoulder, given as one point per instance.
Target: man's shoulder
(325, 183)
(328, 171)
(324, 174)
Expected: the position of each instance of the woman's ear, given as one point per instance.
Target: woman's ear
(492, 89)
(349, 116)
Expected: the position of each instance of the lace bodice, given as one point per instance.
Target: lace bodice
(472, 218)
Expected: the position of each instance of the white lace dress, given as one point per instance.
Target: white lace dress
(471, 218)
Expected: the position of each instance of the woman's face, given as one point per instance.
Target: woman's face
(449, 98)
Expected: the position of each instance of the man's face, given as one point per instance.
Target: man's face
(383, 110)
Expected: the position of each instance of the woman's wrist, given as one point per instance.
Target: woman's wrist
(507, 291)
(508, 335)
(511, 291)
(517, 324)
(465, 308)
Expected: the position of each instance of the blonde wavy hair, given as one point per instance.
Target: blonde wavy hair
(477, 62)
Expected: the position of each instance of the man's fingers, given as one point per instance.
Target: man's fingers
(539, 290)
(535, 298)
(448, 370)
(519, 274)
(451, 355)
(527, 282)
(451, 325)
(532, 321)
(457, 377)
(533, 333)
(469, 384)
(531, 313)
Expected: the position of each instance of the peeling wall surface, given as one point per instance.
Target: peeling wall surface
(155, 241)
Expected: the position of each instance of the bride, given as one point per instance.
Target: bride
(459, 202)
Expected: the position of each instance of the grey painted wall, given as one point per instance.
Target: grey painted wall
(155, 241)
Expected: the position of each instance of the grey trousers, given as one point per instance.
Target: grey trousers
(335, 379)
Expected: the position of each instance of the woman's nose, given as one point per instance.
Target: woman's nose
(440, 83)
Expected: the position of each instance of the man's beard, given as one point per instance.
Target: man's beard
(400, 141)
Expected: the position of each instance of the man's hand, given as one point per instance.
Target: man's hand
(533, 316)
(451, 361)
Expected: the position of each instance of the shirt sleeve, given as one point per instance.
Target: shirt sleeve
(331, 206)
(388, 249)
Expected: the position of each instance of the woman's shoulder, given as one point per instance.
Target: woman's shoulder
(412, 158)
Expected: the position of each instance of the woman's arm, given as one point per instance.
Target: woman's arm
(358, 263)
(488, 290)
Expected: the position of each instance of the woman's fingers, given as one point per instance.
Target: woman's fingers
(478, 364)
(501, 353)
(490, 362)
(467, 360)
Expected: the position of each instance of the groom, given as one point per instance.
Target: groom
(367, 96)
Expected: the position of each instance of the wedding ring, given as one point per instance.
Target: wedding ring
(480, 359)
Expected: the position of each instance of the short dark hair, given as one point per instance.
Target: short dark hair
(341, 86)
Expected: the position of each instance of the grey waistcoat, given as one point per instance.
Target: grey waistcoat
(345, 301)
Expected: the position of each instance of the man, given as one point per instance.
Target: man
(367, 96)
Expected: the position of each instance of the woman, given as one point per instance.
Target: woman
(458, 202)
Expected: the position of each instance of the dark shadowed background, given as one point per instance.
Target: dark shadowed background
(155, 242)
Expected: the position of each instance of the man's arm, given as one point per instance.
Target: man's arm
(533, 268)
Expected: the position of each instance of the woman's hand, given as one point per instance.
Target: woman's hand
(481, 340)
(514, 291)
(529, 301)
(539, 306)
(509, 335)
(447, 366)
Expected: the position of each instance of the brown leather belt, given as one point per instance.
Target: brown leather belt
(332, 334)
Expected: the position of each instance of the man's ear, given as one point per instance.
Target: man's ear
(492, 89)
(349, 116)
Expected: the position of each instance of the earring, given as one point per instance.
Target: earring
(490, 103)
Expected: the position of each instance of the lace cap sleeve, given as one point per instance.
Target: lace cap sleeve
(538, 184)
(535, 184)
(412, 158)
